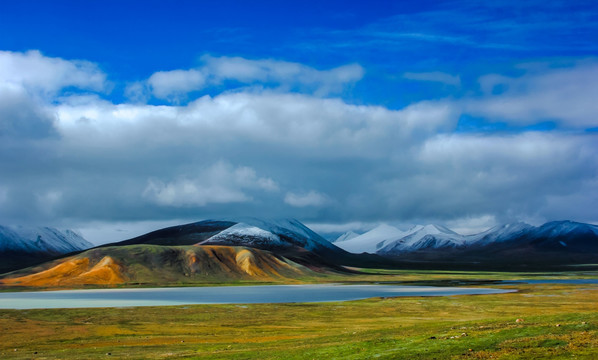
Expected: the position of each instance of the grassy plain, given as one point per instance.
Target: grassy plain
(559, 321)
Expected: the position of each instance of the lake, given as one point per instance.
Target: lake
(221, 295)
(553, 281)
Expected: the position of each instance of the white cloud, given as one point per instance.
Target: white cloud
(518, 151)
(174, 85)
(46, 76)
(220, 184)
(508, 176)
(311, 198)
(365, 163)
(564, 95)
(386, 164)
(28, 81)
(282, 72)
(435, 76)
(287, 120)
(186, 192)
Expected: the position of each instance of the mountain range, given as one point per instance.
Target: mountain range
(211, 250)
(285, 237)
(557, 242)
(272, 250)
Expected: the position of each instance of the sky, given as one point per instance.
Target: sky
(121, 117)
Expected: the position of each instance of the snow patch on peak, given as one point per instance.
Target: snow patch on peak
(248, 230)
(436, 229)
(346, 236)
(430, 229)
(427, 236)
(567, 234)
(243, 234)
(292, 229)
(374, 239)
(500, 233)
(41, 239)
(290, 232)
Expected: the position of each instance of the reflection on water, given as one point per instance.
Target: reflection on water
(221, 295)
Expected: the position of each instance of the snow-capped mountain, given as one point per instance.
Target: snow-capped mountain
(515, 244)
(436, 240)
(375, 239)
(186, 234)
(386, 239)
(41, 239)
(244, 234)
(22, 246)
(555, 229)
(500, 233)
(554, 244)
(275, 233)
(429, 236)
(346, 236)
(569, 235)
(284, 237)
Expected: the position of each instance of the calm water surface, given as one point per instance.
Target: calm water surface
(552, 281)
(221, 295)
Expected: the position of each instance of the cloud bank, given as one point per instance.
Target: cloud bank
(76, 157)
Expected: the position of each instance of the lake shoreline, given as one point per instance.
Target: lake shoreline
(251, 294)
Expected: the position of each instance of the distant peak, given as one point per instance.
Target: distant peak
(347, 236)
(435, 228)
(563, 222)
(567, 226)
(513, 225)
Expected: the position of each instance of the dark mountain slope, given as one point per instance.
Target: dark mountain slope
(187, 234)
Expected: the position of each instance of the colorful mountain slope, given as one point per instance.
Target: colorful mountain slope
(159, 265)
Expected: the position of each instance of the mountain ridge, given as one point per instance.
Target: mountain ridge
(516, 245)
(557, 243)
(22, 246)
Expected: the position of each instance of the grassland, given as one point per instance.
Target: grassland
(559, 321)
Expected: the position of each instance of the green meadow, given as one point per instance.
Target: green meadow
(556, 321)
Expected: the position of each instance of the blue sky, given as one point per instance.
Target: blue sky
(119, 116)
(131, 40)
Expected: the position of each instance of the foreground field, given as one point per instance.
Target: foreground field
(556, 321)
